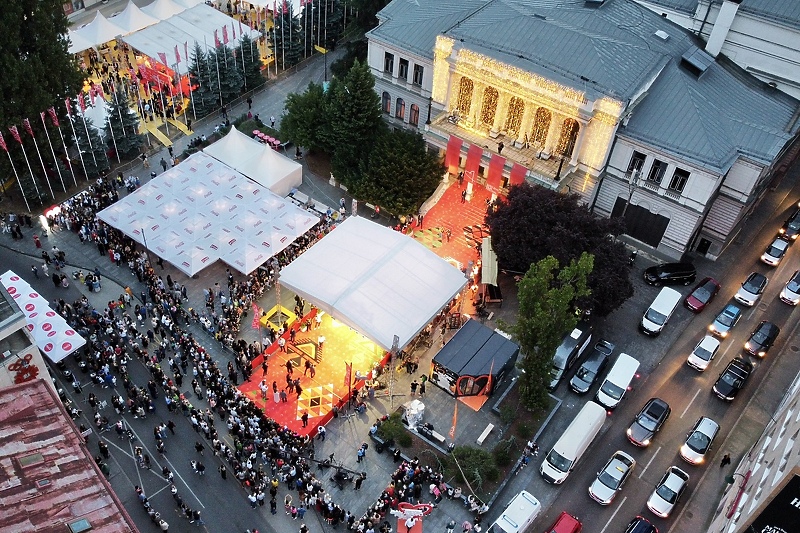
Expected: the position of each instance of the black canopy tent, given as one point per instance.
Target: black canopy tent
(463, 366)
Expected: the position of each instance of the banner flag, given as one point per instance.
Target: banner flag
(68, 103)
(81, 102)
(186, 50)
(163, 57)
(53, 115)
(15, 134)
(233, 30)
(348, 374)
(256, 316)
(455, 420)
(241, 31)
(177, 55)
(3, 143)
(27, 125)
(216, 39)
(225, 34)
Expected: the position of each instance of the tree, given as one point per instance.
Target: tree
(534, 222)
(91, 146)
(400, 173)
(353, 122)
(547, 299)
(124, 123)
(355, 50)
(366, 14)
(251, 63)
(204, 99)
(288, 38)
(305, 118)
(225, 74)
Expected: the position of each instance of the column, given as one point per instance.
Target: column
(556, 121)
(526, 123)
(475, 104)
(578, 143)
(502, 110)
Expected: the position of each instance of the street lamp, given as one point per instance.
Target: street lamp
(633, 182)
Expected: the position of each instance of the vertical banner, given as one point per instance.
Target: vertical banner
(348, 374)
(455, 421)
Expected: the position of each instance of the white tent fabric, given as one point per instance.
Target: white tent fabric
(133, 19)
(189, 3)
(195, 25)
(202, 210)
(51, 333)
(376, 280)
(488, 262)
(77, 43)
(100, 30)
(163, 9)
(258, 162)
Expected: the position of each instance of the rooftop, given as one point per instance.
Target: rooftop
(783, 12)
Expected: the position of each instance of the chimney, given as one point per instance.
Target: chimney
(721, 26)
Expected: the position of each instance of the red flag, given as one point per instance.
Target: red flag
(241, 31)
(15, 134)
(348, 374)
(177, 55)
(256, 316)
(27, 125)
(285, 8)
(225, 34)
(68, 103)
(258, 18)
(163, 57)
(81, 102)
(53, 116)
(3, 143)
(455, 420)
(233, 30)
(216, 39)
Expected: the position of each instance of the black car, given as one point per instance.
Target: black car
(732, 379)
(671, 274)
(649, 420)
(592, 367)
(791, 228)
(641, 525)
(762, 338)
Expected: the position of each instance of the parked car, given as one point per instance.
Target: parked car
(592, 367)
(668, 491)
(641, 525)
(775, 252)
(751, 289)
(670, 274)
(702, 295)
(699, 440)
(703, 353)
(791, 228)
(612, 477)
(649, 420)
(791, 292)
(732, 379)
(566, 523)
(725, 321)
(762, 338)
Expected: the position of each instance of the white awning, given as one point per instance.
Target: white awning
(133, 19)
(374, 279)
(99, 31)
(488, 262)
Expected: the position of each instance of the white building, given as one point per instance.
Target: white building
(601, 98)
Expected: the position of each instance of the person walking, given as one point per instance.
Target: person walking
(304, 418)
(359, 481)
(35, 271)
(414, 386)
(163, 164)
(223, 472)
(464, 196)
(726, 460)
(422, 390)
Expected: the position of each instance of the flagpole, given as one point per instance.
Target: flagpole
(325, 40)
(80, 152)
(41, 161)
(55, 161)
(88, 137)
(319, 20)
(33, 178)
(275, 36)
(191, 90)
(114, 139)
(183, 97)
(66, 152)
(161, 97)
(241, 50)
(283, 38)
(19, 182)
(143, 121)
(219, 80)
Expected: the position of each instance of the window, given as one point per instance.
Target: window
(403, 74)
(657, 171)
(413, 117)
(637, 162)
(418, 72)
(400, 109)
(679, 179)
(386, 103)
(388, 62)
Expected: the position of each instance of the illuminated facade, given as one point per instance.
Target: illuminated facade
(588, 102)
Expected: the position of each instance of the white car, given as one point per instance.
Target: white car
(668, 492)
(791, 292)
(751, 290)
(703, 353)
(699, 441)
(775, 252)
(612, 477)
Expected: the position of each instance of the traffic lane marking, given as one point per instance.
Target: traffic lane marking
(614, 514)
(648, 462)
(690, 403)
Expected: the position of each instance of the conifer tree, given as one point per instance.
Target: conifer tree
(91, 146)
(251, 63)
(288, 38)
(226, 75)
(204, 99)
(124, 123)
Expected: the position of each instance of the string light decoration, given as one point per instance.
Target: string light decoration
(541, 126)
(566, 141)
(516, 109)
(596, 143)
(490, 96)
(441, 68)
(465, 89)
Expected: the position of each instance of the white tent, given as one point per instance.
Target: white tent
(163, 9)
(258, 162)
(77, 43)
(133, 19)
(202, 210)
(376, 280)
(100, 30)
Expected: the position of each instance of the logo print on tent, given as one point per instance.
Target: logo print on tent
(66, 346)
(283, 239)
(33, 295)
(69, 332)
(185, 264)
(208, 225)
(14, 278)
(232, 242)
(48, 347)
(154, 227)
(214, 247)
(52, 333)
(159, 197)
(50, 314)
(12, 290)
(33, 315)
(29, 307)
(30, 327)
(240, 197)
(141, 201)
(265, 244)
(204, 259)
(47, 326)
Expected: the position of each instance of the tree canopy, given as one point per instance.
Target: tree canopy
(305, 118)
(547, 297)
(534, 222)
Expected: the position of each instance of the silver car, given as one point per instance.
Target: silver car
(775, 252)
(703, 353)
(791, 292)
(751, 289)
(668, 491)
(699, 441)
(612, 477)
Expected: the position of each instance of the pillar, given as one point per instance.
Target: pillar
(502, 110)
(556, 121)
(526, 123)
(578, 143)
(475, 103)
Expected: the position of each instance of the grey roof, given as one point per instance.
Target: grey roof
(610, 50)
(682, 6)
(784, 12)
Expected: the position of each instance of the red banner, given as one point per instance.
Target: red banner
(68, 104)
(225, 34)
(27, 125)
(233, 30)
(81, 102)
(53, 115)
(256, 316)
(241, 31)
(518, 173)
(177, 55)
(495, 176)
(348, 374)
(163, 57)
(15, 134)
(216, 39)
(186, 50)
(3, 143)
(453, 154)
(474, 156)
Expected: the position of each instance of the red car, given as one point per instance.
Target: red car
(565, 523)
(702, 295)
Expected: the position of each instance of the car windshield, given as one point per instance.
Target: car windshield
(725, 318)
(558, 461)
(647, 423)
(655, 317)
(666, 494)
(759, 337)
(731, 380)
(608, 480)
(585, 374)
(753, 286)
(794, 224)
(774, 251)
(698, 442)
(702, 294)
(793, 286)
(702, 353)
(612, 390)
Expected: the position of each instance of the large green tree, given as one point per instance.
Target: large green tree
(547, 298)
(305, 118)
(250, 60)
(93, 150)
(204, 98)
(288, 38)
(400, 173)
(124, 123)
(226, 75)
(534, 222)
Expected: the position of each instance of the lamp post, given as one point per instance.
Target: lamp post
(146, 254)
(633, 182)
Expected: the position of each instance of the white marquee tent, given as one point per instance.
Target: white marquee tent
(100, 30)
(163, 9)
(202, 210)
(132, 19)
(258, 162)
(374, 279)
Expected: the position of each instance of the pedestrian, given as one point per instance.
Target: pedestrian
(451, 525)
(172, 161)
(223, 472)
(304, 418)
(35, 271)
(163, 525)
(360, 454)
(500, 147)
(189, 124)
(163, 164)
(410, 523)
(414, 386)
(463, 196)
(45, 269)
(282, 347)
(272, 121)
(422, 389)
(273, 506)
(145, 161)
(359, 481)
(253, 500)
(171, 426)
(287, 504)
(249, 103)
(726, 460)
(198, 446)
(321, 433)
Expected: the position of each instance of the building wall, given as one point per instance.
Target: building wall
(396, 87)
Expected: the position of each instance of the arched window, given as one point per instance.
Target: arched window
(516, 108)
(400, 109)
(413, 117)
(465, 88)
(541, 125)
(569, 133)
(489, 107)
(386, 103)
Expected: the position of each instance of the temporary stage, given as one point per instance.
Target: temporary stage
(202, 210)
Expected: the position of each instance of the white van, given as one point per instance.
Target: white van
(519, 514)
(569, 448)
(660, 310)
(617, 381)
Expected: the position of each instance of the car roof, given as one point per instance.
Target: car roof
(733, 308)
(780, 243)
(675, 472)
(756, 276)
(565, 523)
(769, 326)
(709, 342)
(706, 426)
(620, 454)
(740, 364)
(675, 267)
(710, 281)
(655, 407)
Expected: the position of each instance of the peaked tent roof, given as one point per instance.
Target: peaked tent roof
(189, 3)
(163, 9)
(132, 18)
(78, 43)
(100, 30)
(377, 281)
